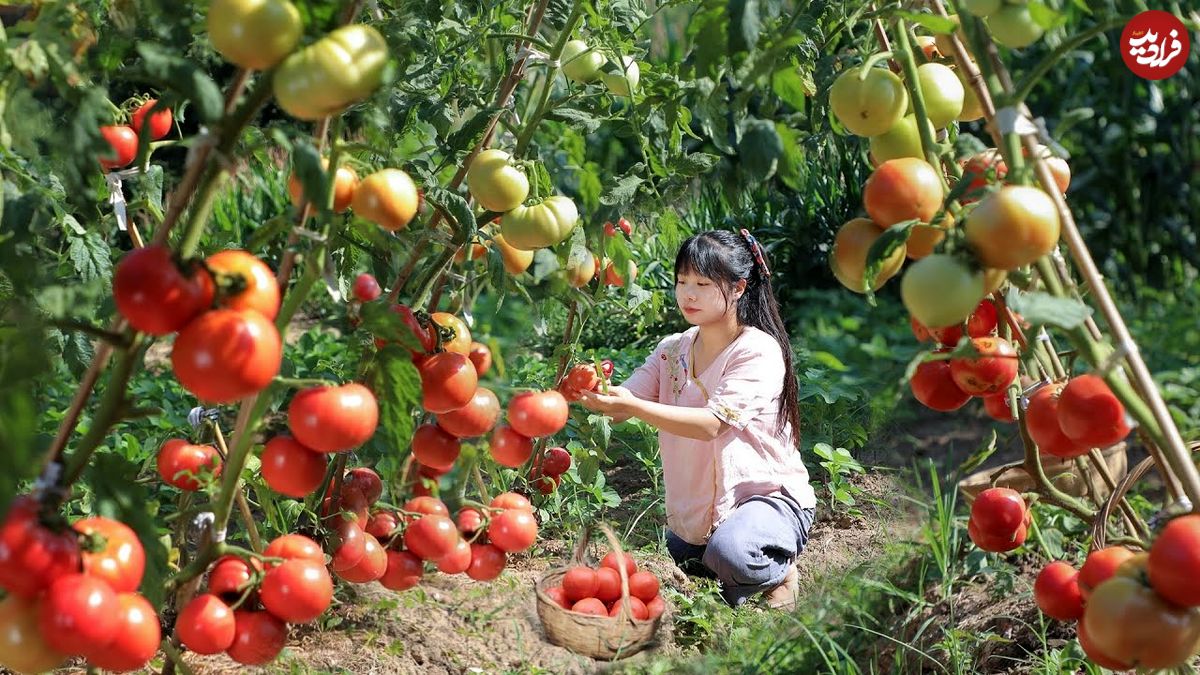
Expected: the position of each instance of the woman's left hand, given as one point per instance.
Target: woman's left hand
(618, 400)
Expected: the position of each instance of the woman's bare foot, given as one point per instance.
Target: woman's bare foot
(784, 595)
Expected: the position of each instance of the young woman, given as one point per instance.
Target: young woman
(723, 396)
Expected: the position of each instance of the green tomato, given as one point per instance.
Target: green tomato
(939, 290)
(902, 140)
(982, 7)
(1013, 26)
(495, 183)
(870, 106)
(334, 72)
(581, 63)
(528, 228)
(943, 93)
(623, 84)
(254, 34)
(972, 107)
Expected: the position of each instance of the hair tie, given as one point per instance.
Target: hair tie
(757, 251)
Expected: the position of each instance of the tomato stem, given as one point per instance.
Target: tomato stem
(556, 50)
(912, 80)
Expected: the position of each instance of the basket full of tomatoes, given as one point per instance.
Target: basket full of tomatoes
(607, 612)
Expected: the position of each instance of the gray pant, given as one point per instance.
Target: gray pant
(751, 551)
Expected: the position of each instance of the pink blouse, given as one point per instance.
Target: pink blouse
(706, 480)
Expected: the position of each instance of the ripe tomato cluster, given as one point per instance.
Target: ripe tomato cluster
(584, 377)
(947, 385)
(597, 590)
(547, 474)
(123, 139)
(999, 520)
(72, 592)
(1134, 610)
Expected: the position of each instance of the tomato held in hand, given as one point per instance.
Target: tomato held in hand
(244, 282)
(123, 142)
(333, 419)
(227, 354)
(160, 120)
(155, 295)
(121, 560)
(183, 464)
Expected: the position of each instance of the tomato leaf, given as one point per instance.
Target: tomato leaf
(759, 150)
(454, 205)
(1043, 309)
(379, 319)
(545, 263)
(1045, 16)
(586, 121)
(933, 22)
(789, 85)
(397, 387)
(744, 25)
(24, 368)
(693, 164)
(981, 454)
(791, 162)
(892, 238)
(306, 165)
(625, 189)
(471, 131)
(176, 73)
(90, 257)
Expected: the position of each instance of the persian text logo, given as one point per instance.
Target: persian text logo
(1155, 45)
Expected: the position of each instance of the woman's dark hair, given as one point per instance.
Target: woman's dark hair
(726, 258)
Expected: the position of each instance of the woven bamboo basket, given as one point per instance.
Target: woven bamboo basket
(1063, 473)
(600, 637)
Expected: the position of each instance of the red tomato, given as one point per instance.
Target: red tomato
(582, 377)
(476, 418)
(458, 561)
(580, 582)
(989, 373)
(1041, 419)
(245, 282)
(536, 414)
(994, 543)
(546, 484)
(997, 408)
(556, 462)
(948, 335)
(121, 561)
(448, 382)
(487, 562)
(424, 334)
(404, 571)
(33, 557)
(919, 331)
(77, 613)
(160, 120)
(998, 511)
(205, 625)
(349, 544)
(365, 480)
(513, 530)
(382, 524)
(933, 385)
(608, 584)
(655, 608)
(431, 537)
(297, 591)
(429, 506)
(558, 596)
(434, 447)
(643, 585)
(155, 295)
(295, 547)
(510, 448)
(637, 609)
(258, 637)
(984, 320)
(511, 500)
(333, 419)
(181, 464)
(371, 567)
(613, 560)
(291, 469)
(122, 142)
(137, 636)
(351, 501)
(226, 355)
(1099, 566)
(1090, 414)
(366, 288)
(1175, 561)
(469, 520)
(590, 606)
(902, 189)
(481, 358)
(1056, 591)
(229, 578)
